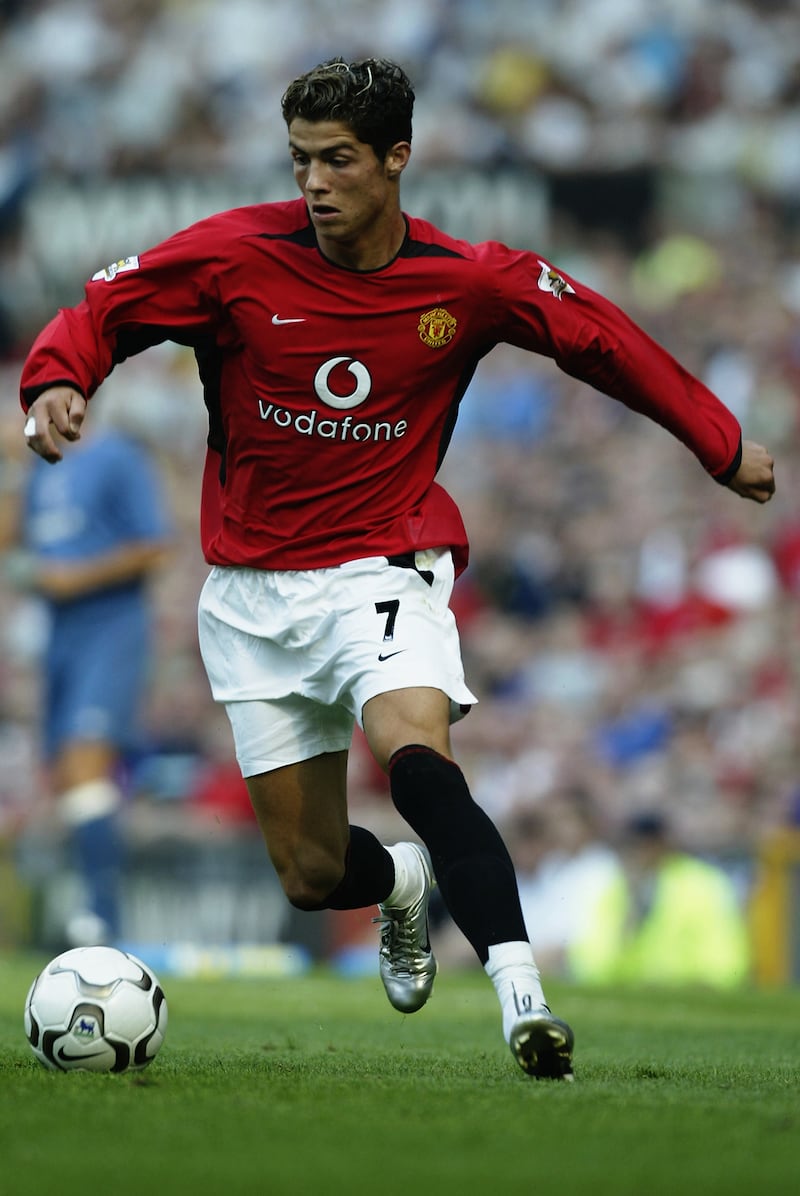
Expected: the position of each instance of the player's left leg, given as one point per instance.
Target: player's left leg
(408, 732)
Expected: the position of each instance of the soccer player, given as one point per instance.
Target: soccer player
(335, 336)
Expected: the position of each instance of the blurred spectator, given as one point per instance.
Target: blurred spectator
(573, 86)
(669, 919)
(92, 534)
(563, 866)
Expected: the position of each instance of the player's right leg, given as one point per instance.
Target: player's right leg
(301, 810)
(293, 756)
(280, 662)
(325, 863)
(322, 861)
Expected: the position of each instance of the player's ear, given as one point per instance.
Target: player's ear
(397, 159)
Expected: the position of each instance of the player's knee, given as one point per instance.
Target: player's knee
(423, 780)
(431, 793)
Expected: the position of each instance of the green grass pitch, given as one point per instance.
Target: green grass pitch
(315, 1085)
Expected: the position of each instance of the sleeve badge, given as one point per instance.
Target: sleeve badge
(109, 273)
(550, 280)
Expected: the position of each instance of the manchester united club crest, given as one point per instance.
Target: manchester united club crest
(437, 328)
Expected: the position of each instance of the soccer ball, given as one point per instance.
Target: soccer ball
(95, 1009)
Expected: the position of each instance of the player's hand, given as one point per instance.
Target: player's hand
(755, 477)
(59, 409)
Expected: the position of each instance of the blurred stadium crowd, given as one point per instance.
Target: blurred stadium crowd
(630, 627)
(116, 85)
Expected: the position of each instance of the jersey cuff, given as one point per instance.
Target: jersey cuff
(724, 477)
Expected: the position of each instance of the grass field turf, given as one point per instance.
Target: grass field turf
(315, 1085)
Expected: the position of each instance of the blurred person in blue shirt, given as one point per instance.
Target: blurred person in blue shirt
(94, 533)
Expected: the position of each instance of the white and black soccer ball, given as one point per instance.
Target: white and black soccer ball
(95, 1009)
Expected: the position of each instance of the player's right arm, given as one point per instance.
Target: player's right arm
(58, 411)
(169, 293)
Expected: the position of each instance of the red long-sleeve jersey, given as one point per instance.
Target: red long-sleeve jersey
(332, 394)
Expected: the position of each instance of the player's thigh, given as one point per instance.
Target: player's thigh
(301, 809)
(396, 632)
(402, 716)
(293, 755)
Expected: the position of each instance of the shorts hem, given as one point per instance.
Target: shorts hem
(253, 768)
(460, 698)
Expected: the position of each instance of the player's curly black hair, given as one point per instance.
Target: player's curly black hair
(373, 96)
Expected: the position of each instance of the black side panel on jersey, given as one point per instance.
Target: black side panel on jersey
(131, 341)
(452, 414)
(209, 367)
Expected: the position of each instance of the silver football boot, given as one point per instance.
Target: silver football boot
(407, 964)
(542, 1045)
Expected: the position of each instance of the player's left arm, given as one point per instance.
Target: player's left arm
(755, 477)
(592, 339)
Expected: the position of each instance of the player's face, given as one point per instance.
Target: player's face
(352, 197)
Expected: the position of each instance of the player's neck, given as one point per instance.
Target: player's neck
(369, 250)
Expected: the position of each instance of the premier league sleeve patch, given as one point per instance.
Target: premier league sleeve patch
(550, 280)
(109, 273)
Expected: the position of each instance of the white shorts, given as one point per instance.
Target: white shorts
(294, 655)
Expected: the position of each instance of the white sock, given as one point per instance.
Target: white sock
(89, 800)
(407, 886)
(515, 976)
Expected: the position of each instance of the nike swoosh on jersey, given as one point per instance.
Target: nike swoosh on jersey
(294, 320)
(390, 654)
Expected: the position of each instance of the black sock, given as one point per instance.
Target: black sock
(474, 871)
(368, 876)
